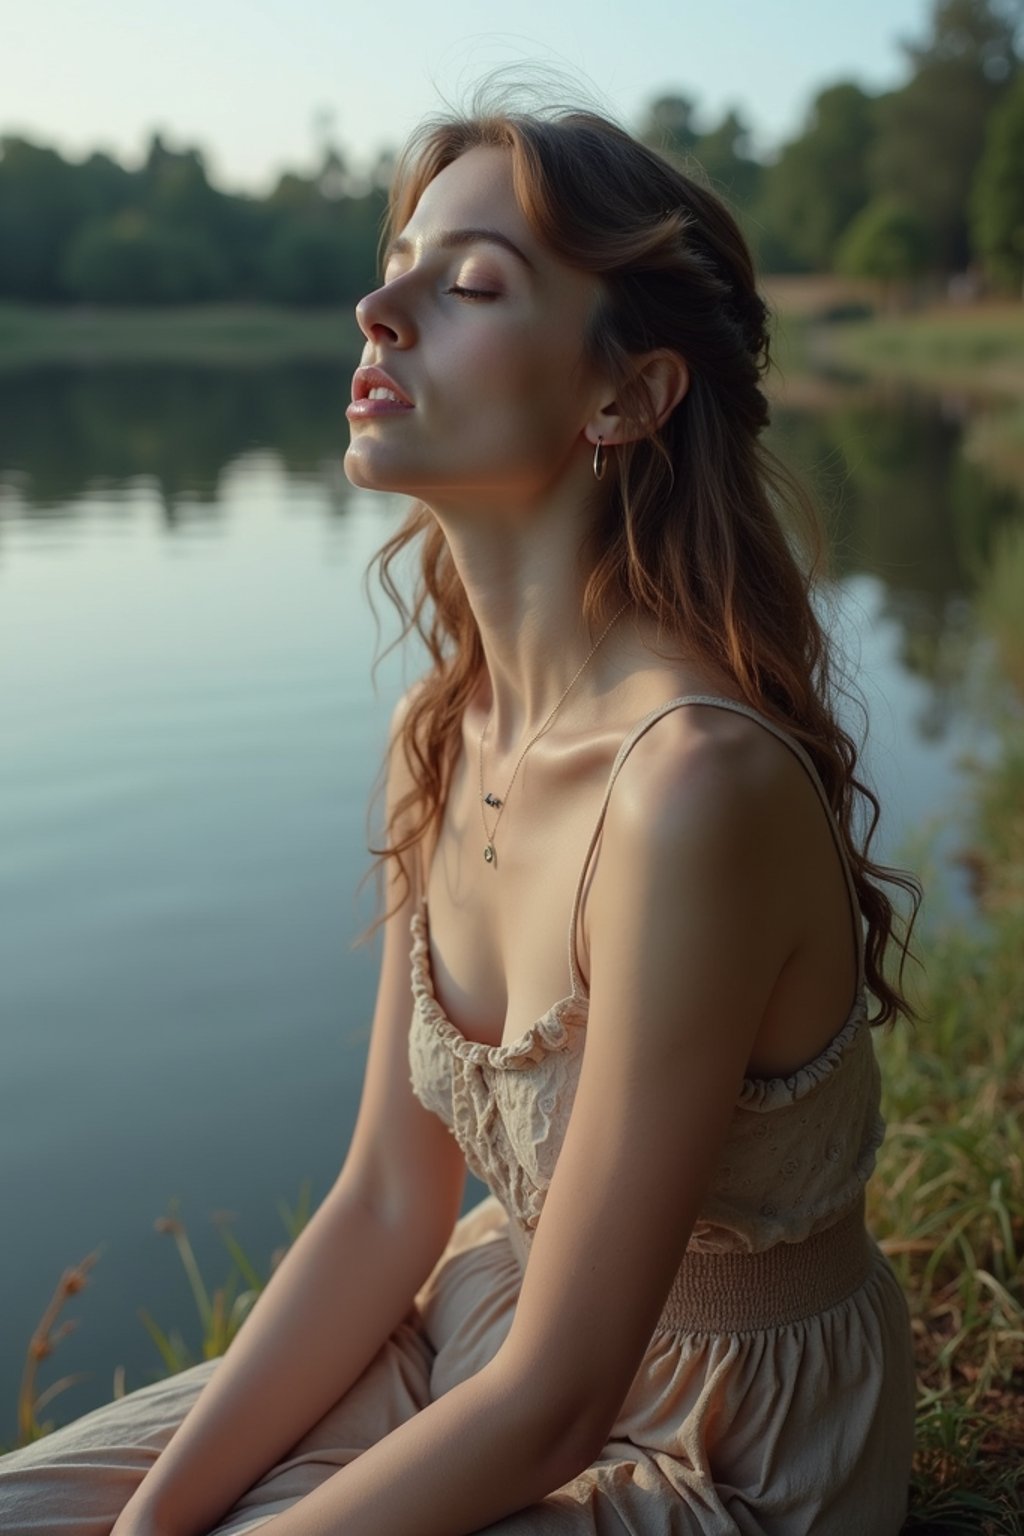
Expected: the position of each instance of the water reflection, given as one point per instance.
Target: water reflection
(903, 504)
(901, 501)
(64, 431)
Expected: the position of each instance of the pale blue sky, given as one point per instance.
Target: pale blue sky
(244, 79)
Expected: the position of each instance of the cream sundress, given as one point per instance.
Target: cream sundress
(776, 1395)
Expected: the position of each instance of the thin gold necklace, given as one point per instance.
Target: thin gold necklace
(492, 800)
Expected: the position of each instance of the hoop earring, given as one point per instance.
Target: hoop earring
(600, 463)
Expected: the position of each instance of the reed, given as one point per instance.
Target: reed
(221, 1311)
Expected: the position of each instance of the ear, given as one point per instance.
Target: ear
(667, 377)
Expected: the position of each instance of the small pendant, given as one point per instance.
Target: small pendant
(492, 800)
(489, 853)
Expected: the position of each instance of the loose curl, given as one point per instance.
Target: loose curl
(691, 531)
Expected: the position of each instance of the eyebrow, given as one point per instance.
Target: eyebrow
(451, 239)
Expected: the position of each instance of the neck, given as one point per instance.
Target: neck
(525, 584)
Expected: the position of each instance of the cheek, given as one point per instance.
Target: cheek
(528, 386)
(494, 359)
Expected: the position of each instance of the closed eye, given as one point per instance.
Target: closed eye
(471, 293)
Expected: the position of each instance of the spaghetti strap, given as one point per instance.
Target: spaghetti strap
(718, 702)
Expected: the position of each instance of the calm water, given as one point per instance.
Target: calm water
(190, 737)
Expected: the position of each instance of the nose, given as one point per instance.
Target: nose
(381, 317)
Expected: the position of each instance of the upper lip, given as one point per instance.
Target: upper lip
(365, 379)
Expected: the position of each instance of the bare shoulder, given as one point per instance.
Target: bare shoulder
(695, 872)
(706, 775)
(699, 840)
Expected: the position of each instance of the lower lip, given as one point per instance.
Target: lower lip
(361, 408)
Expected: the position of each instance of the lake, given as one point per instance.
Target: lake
(190, 738)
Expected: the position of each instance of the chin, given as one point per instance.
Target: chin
(360, 473)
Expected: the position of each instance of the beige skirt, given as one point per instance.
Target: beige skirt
(802, 1429)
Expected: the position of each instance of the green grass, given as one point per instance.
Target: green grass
(1001, 602)
(947, 1197)
(216, 334)
(976, 349)
(221, 1311)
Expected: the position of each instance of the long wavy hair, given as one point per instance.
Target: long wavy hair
(701, 527)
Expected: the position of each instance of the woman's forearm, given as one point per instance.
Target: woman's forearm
(486, 1448)
(342, 1288)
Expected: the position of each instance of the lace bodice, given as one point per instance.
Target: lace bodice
(799, 1148)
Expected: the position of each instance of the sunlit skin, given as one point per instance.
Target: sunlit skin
(501, 442)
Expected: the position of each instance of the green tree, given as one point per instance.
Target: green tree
(931, 132)
(887, 242)
(174, 193)
(295, 194)
(130, 260)
(175, 188)
(102, 187)
(311, 261)
(724, 153)
(38, 214)
(997, 202)
(668, 127)
(819, 182)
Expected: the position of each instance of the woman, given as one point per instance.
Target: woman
(620, 785)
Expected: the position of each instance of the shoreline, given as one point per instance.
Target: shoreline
(972, 354)
(213, 335)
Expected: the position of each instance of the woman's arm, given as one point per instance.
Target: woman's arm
(690, 927)
(342, 1288)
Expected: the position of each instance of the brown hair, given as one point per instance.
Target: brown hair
(697, 530)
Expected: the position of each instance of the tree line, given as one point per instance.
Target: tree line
(926, 180)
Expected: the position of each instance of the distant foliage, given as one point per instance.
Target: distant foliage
(129, 259)
(886, 241)
(100, 234)
(41, 199)
(307, 262)
(854, 189)
(998, 204)
(720, 157)
(931, 132)
(819, 183)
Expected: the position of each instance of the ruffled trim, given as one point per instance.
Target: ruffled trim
(769, 1092)
(550, 1033)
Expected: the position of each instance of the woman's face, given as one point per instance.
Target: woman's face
(500, 394)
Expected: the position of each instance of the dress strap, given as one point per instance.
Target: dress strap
(644, 725)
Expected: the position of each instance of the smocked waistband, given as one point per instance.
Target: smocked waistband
(740, 1292)
(744, 1292)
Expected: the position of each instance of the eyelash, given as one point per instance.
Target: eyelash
(471, 293)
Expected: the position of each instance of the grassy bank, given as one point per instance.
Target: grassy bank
(216, 334)
(975, 352)
(977, 348)
(947, 1199)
